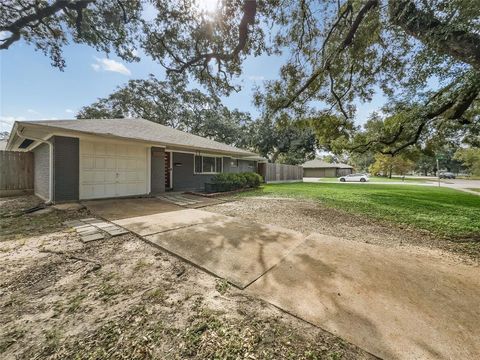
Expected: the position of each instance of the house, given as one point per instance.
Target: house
(106, 158)
(319, 168)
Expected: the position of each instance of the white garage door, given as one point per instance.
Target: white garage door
(112, 169)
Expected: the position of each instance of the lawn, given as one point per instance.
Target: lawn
(442, 211)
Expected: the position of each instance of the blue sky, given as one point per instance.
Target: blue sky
(30, 88)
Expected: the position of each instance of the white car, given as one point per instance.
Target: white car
(354, 177)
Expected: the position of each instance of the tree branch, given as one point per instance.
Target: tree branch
(249, 12)
(347, 41)
(458, 43)
(16, 27)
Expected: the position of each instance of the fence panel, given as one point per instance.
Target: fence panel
(280, 172)
(16, 172)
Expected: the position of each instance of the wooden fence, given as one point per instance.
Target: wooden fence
(16, 172)
(280, 172)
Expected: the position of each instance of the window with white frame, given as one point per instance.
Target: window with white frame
(208, 164)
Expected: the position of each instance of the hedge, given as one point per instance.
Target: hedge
(231, 181)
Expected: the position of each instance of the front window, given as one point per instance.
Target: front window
(208, 164)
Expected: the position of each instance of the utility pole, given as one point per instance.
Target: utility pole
(438, 172)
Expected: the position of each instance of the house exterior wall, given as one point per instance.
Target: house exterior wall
(158, 170)
(65, 168)
(41, 171)
(185, 179)
(183, 176)
(320, 172)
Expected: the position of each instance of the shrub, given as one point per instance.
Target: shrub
(231, 181)
(253, 179)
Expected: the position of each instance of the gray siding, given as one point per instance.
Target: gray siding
(183, 176)
(185, 179)
(158, 170)
(41, 171)
(66, 168)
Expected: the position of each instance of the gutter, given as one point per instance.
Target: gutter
(50, 146)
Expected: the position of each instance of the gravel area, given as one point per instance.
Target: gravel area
(308, 216)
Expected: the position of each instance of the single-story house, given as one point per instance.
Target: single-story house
(319, 168)
(106, 158)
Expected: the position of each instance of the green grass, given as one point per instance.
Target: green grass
(441, 211)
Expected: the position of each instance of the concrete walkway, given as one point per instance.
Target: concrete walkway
(392, 304)
(236, 250)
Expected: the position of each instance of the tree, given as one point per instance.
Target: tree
(106, 25)
(386, 165)
(172, 105)
(339, 52)
(287, 143)
(470, 157)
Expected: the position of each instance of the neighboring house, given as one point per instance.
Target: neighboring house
(319, 168)
(3, 144)
(105, 158)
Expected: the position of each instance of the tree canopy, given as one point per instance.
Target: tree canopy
(423, 55)
(171, 104)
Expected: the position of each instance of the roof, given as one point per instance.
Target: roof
(317, 163)
(139, 129)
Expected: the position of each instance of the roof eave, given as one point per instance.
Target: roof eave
(157, 143)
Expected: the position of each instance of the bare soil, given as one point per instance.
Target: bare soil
(310, 216)
(121, 298)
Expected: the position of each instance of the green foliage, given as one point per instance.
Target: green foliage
(387, 165)
(173, 105)
(422, 55)
(232, 181)
(470, 157)
(442, 211)
(288, 142)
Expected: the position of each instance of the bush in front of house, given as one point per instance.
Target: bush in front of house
(232, 181)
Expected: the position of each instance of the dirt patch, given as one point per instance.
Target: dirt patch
(308, 216)
(139, 303)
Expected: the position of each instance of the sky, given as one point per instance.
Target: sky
(31, 89)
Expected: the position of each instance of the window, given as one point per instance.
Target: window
(234, 163)
(208, 164)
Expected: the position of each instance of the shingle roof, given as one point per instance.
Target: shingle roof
(140, 129)
(317, 163)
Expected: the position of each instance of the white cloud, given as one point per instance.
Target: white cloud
(31, 111)
(110, 65)
(6, 122)
(256, 77)
(69, 111)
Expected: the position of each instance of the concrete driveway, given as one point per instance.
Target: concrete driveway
(237, 250)
(392, 304)
(388, 302)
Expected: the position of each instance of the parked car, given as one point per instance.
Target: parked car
(447, 175)
(354, 177)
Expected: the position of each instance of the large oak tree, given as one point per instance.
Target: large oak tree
(424, 55)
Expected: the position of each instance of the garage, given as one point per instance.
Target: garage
(110, 169)
(318, 168)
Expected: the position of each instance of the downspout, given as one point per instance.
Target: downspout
(50, 180)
